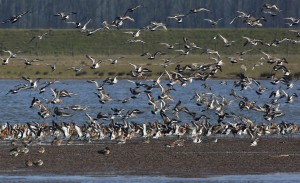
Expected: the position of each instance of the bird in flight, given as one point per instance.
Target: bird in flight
(65, 16)
(14, 18)
(130, 10)
(39, 37)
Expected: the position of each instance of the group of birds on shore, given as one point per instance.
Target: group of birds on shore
(23, 150)
(161, 95)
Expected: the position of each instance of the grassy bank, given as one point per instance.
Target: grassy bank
(67, 48)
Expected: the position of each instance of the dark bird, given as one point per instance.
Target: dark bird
(14, 19)
(105, 151)
(58, 112)
(130, 10)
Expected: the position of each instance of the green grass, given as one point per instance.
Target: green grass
(68, 48)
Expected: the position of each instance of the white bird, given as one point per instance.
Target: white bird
(197, 10)
(83, 28)
(76, 69)
(32, 83)
(242, 15)
(134, 34)
(114, 61)
(5, 61)
(226, 42)
(169, 46)
(11, 54)
(64, 16)
(177, 17)
(213, 22)
(95, 63)
(93, 31)
(52, 66)
(156, 25)
(254, 142)
(39, 37)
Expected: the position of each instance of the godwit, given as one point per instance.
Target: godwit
(38, 162)
(76, 107)
(64, 16)
(77, 24)
(5, 61)
(14, 19)
(11, 54)
(47, 84)
(58, 112)
(213, 22)
(293, 21)
(118, 22)
(91, 32)
(135, 34)
(105, 151)
(130, 10)
(271, 6)
(17, 89)
(31, 61)
(177, 17)
(103, 97)
(115, 61)
(252, 21)
(138, 71)
(242, 15)
(226, 42)
(289, 98)
(152, 56)
(243, 52)
(197, 10)
(41, 149)
(254, 142)
(296, 31)
(29, 163)
(52, 66)
(136, 41)
(251, 41)
(14, 152)
(95, 63)
(77, 69)
(156, 25)
(111, 81)
(98, 86)
(39, 37)
(83, 28)
(32, 83)
(169, 46)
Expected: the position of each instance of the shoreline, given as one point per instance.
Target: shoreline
(229, 156)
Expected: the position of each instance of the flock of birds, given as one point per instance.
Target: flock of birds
(160, 96)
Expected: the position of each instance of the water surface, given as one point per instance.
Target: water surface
(15, 107)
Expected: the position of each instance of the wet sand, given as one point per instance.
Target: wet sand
(229, 156)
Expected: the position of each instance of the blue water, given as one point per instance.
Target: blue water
(278, 177)
(15, 107)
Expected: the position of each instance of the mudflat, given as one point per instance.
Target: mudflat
(229, 156)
